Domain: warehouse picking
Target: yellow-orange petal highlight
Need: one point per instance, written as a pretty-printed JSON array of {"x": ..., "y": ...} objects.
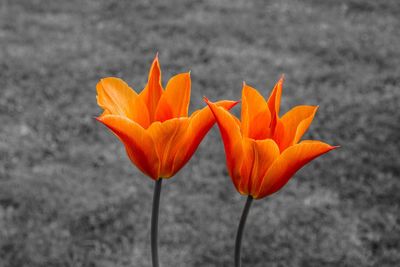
[
  {"x": 154, "y": 125},
  {"x": 263, "y": 150},
  {"x": 116, "y": 97}
]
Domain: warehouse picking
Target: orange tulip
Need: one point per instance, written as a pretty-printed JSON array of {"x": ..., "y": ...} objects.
[
  {"x": 263, "y": 150},
  {"x": 154, "y": 126}
]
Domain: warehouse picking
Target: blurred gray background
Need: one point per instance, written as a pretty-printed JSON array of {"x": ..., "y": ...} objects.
[{"x": 69, "y": 195}]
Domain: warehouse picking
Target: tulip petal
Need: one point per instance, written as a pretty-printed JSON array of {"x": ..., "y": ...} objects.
[
  {"x": 168, "y": 136},
  {"x": 258, "y": 157},
  {"x": 274, "y": 102},
  {"x": 232, "y": 138},
  {"x": 152, "y": 92},
  {"x": 174, "y": 102},
  {"x": 117, "y": 98},
  {"x": 255, "y": 115},
  {"x": 138, "y": 143},
  {"x": 295, "y": 123},
  {"x": 246, "y": 166},
  {"x": 201, "y": 122},
  {"x": 266, "y": 152},
  {"x": 288, "y": 163}
]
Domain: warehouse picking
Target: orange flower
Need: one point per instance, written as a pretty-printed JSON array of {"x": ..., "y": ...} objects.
[
  {"x": 263, "y": 150},
  {"x": 154, "y": 126}
]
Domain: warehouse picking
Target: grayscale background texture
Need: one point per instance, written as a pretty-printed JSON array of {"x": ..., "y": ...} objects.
[{"x": 69, "y": 196}]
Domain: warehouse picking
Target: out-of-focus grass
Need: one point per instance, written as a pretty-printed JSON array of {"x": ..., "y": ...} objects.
[{"x": 70, "y": 197}]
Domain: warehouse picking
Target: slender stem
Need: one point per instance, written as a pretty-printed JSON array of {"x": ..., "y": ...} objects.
[
  {"x": 242, "y": 223},
  {"x": 154, "y": 223}
]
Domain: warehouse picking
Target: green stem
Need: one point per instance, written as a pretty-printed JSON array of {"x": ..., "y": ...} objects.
[
  {"x": 154, "y": 223},
  {"x": 242, "y": 223}
]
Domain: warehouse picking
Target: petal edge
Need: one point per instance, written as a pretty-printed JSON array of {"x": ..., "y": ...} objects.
[{"x": 289, "y": 162}]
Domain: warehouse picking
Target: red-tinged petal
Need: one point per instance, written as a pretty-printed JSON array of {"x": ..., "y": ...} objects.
[
  {"x": 295, "y": 123},
  {"x": 232, "y": 138},
  {"x": 201, "y": 122},
  {"x": 288, "y": 163},
  {"x": 274, "y": 102},
  {"x": 246, "y": 167},
  {"x": 138, "y": 143},
  {"x": 279, "y": 133},
  {"x": 117, "y": 98},
  {"x": 255, "y": 115},
  {"x": 174, "y": 102},
  {"x": 152, "y": 92},
  {"x": 168, "y": 137}
]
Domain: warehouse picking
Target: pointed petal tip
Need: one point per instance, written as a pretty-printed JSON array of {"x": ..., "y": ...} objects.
[
  {"x": 280, "y": 82},
  {"x": 104, "y": 118},
  {"x": 100, "y": 119},
  {"x": 330, "y": 148},
  {"x": 156, "y": 60},
  {"x": 232, "y": 103}
]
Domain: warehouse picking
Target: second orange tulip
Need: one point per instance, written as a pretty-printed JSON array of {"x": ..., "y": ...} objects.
[{"x": 263, "y": 150}]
